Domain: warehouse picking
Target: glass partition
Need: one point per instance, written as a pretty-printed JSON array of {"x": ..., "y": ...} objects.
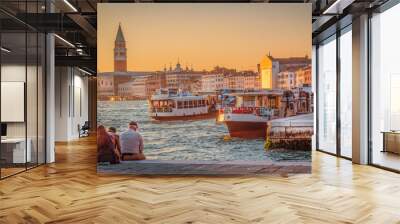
[
  {"x": 327, "y": 96},
  {"x": 346, "y": 92},
  {"x": 13, "y": 86},
  {"x": 22, "y": 77},
  {"x": 41, "y": 97},
  {"x": 385, "y": 89},
  {"x": 31, "y": 97}
]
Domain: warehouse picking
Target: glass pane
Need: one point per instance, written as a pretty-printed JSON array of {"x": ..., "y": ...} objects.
[
  {"x": 346, "y": 94},
  {"x": 327, "y": 96},
  {"x": 41, "y": 99},
  {"x": 31, "y": 97},
  {"x": 385, "y": 84},
  {"x": 13, "y": 77}
]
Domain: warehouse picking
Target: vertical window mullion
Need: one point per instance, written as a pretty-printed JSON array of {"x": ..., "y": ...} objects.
[
  {"x": 0, "y": 94},
  {"x": 37, "y": 94},
  {"x": 338, "y": 74},
  {"x": 26, "y": 87},
  {"x": 316, "y": 97}
]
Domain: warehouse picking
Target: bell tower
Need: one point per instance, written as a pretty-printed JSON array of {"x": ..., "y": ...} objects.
[{"x": 120, "y": 52}]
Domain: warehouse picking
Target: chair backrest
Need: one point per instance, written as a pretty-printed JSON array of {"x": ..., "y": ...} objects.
[{"x": 86, "y": 125}]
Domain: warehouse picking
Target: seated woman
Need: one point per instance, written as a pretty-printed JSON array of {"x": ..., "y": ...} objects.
[
  {"x": 113, "y": 132},
  {"x": 106, "y": 151}
]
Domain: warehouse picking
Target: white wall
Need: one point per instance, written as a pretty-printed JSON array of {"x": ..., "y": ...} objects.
[
  {"x": 10, "y": 73},
  {"x": 71, "y": 103},
  {"x": 33, "y": 126}
]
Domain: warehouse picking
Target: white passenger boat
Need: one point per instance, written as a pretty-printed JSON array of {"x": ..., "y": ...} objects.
[{"x": 168, "y": 105}]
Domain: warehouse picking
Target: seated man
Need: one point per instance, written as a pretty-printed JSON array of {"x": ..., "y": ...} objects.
[{"x": 132, "y": 143}]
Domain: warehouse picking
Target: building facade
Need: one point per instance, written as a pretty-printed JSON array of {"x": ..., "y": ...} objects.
[
  {"x": 105, "y": 85},
  {"x": 212, "y": 82},
  {"x": 269, "y": 68},
  {"x": 135, "y": 89},
  {"x": 286, "y": 80},
  {"x": 303, "y": 76},
  {"x": 154, "y": 82},
  {"x": 265, "y": 70}
]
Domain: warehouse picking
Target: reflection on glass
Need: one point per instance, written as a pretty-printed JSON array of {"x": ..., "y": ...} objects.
[
  {"x": 41, "y": 99},
  {"x": 31, "y": 97},
  {"x": 22, "y": 92},
  {"x": 385, "y": 84},
  {"x": 13, "y": 70},
  {"x": 327, "y": 96},
  {"x": 346, "y": 94}
]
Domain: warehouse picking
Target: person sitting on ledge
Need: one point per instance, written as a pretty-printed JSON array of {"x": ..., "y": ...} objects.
[
  {"x": 106, "y": 151},
  {"x": 132, "y": 143},
  {"x": 113, "y": 132}
]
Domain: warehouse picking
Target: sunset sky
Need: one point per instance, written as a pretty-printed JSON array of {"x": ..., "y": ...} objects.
[{"x": 203, "y": 35}]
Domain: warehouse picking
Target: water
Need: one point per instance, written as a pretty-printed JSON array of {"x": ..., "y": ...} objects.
[{"x": 188, "y": 140}]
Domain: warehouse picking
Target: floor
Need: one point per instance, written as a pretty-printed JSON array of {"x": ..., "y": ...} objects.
[
  {"x": 387, "y": 159},
  {"x": 10, "y": 171},
  {"x": 70, "y": 191}
]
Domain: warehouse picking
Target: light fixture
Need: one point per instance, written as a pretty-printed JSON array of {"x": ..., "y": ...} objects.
[
  {"x": 337, "y": 7},
  {"x": 64, "y": 40},
  {"x": 5, "y": 50},
  {"x": 70, "y": 5},
  {"x": 84, "y": 71}
]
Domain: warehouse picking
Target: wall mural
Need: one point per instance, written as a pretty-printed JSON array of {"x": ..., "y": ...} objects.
[{"x": 208, "y": 89}]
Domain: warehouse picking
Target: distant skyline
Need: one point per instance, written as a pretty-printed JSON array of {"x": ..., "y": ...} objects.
[{"x": 232, "y": 35}]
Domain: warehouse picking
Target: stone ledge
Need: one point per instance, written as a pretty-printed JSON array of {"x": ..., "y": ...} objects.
[{"x": 209, "y": 168}]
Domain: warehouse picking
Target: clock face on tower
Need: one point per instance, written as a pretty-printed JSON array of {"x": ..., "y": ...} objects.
[{"x": 120, "y": 51}]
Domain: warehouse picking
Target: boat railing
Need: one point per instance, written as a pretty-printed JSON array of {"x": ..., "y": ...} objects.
[
  {"x": 259, "y": 111},
  {"x": 161, "y": 109}
]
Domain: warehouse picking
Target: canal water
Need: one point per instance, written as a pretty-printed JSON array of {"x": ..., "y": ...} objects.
[{"x": 188, "y": 140}]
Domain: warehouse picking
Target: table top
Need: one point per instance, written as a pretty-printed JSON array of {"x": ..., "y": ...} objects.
[
  {"x": 13, "y": 140},
  {"x": 391, "y": 132}
]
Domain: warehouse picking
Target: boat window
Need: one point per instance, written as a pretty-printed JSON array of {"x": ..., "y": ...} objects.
[
  {"x": 272, "y": 102},
  {"x": 196, "y": 103},
  {"x": 180, "y": 104},
  {"x": 155, "y": 103},
  {"x": 186, "y": 103},
  {"x": 172, "y": 104}
]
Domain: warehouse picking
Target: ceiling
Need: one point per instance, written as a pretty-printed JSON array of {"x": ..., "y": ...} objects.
[{"x": 75, "y": 21}]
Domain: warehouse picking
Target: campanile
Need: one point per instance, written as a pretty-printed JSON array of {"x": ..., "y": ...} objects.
[{"x": 120, "y": 52}]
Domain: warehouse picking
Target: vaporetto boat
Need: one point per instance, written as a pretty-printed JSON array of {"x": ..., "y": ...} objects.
[
  {"x": 249, "y": 117},
  {"x": 167, "y": 105}
]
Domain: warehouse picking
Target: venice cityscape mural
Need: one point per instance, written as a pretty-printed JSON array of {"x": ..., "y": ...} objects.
[{"x": 204, "y": 88}]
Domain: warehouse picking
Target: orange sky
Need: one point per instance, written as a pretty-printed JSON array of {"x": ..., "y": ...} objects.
[{"x": 234, "y": 35}]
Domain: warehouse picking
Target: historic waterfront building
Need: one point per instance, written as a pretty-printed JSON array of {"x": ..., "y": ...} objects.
[
  {"x": 120, "y": 52},
  {"x": 303, "y": 76},
  {"x": 212, "y": 82},
  {"x": 286, "y": 79},
  {"x": 270, "y": 67},
  {"x": 135, "y": 89}
]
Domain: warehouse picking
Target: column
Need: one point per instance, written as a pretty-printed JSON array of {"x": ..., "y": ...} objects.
[{"x": 360, "y": 90}]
